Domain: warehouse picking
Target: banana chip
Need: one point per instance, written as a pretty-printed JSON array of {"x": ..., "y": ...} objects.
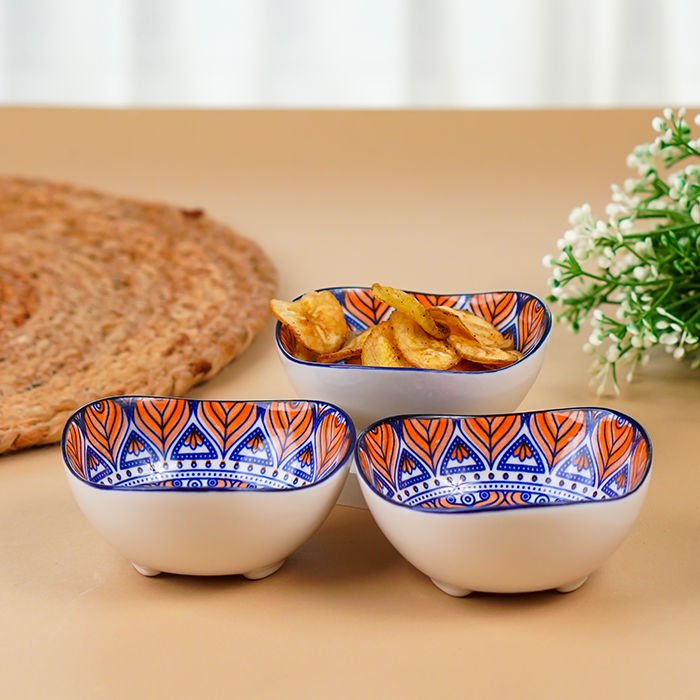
[
  {"x": 419, "y": 348},
  {"x": 352, "y": 348},
  {"x": 380, "y": 349},
  {"x": 439, "y": 337},
  {"x": 474, "y": 352},
  {"x": 316, "y": 319},
  {"x": 409, "y": 305},
  {"x": 469, "y": 325}
]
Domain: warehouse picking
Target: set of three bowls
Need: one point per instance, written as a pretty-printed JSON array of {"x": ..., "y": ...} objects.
[{"x": 476, "y": 496}]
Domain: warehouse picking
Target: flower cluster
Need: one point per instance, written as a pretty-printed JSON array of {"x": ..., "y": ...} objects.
[{"x": 634, "y": 277}]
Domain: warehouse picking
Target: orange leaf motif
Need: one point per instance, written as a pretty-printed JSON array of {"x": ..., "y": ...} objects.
[
  {"x": 639, "y": 463},
  {"x": 557, "y": 433},
  {"x": 226, "y": 421},
  {"x": 105, "y": 425},
  {"x": 379, "y": 452},
  {"x": 612, "y": 443},
  {"x": 428, "y": 438},
  {"x": 530, "y": 325},
  {"x": 498, "y": 308},
  {"x": 331, "y": 442},
  {"x": 491, "y": 436},
  {"x": 289, "y": 424},
  {"x": 161, "y": 420},
  {"x": 75, "y": 449}
]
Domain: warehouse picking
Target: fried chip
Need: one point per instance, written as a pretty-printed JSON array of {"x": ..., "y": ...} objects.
[
  {"x": 316, "y": 319},
  {"x": 474, "y": 352},
  {"x": 479, "y": 328},
  {"x": 409, "y": 305},
  {"x": 380, "y": 349},
  {"x": 420, "y": 348},
  {"x": 352, "y": 348}
]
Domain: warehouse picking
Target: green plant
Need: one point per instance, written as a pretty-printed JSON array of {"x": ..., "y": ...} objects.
[{"x": 636, "y": 276}]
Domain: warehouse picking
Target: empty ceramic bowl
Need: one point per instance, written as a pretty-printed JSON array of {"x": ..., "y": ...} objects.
[
  {"x": 371, "y": 393},
  {"x": 206, "y": 487},
  {"x": 507, "y": 503}
]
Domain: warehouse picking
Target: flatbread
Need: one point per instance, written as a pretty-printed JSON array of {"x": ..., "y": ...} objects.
[{"x": 102, "y": 295}]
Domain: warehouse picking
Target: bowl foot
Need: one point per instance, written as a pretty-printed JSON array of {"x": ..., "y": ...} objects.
[
  {"x": 456, "y": 591},
  {"x": 265, "y": 571},
  {"x": 145, "y": 570},
  {"x": 572, "y": 586}
]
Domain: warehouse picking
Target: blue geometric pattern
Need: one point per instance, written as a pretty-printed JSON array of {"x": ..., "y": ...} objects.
[
  {"x": 487, "y": 462},
  {"x": 149, "y": 442}
]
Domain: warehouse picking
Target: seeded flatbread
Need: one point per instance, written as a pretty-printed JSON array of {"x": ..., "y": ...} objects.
[{"x": 102, "y": 295}]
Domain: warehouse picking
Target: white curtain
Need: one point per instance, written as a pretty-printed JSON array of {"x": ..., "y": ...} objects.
[{"x": 350, "y": 53}]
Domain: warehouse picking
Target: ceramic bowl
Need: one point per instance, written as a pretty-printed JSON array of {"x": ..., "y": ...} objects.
[
  {"x": 206, "y": 487},
  {"x": 371, "y": 393},
  {"x": 508, "y": 503}
]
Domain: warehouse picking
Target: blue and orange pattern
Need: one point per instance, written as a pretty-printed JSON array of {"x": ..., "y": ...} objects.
[
  {"x": 519, "y": 316},
  {"x": 481, "y": 462},
  {"x": 167, "y": 443}
]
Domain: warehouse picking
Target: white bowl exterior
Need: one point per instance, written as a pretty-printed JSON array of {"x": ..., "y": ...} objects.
[
  {"x": 207, "y": 533},
  {"x": 510, "y": 550},
  {"x": 371, "y": 393}
]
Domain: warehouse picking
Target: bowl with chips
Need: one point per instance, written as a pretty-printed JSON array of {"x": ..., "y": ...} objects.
[
  {"x": 206, "y": 487},
  {"x": 380, "y": 351},
  {"x": 506, "y": 503}
]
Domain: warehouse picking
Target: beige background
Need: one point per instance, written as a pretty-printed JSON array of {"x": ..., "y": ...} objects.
[{"x": 432, "y": 201}]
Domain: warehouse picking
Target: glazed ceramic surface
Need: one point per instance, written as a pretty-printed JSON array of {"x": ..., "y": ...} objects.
[
  {"x": 506, "y": 503},
  {"x": 207, "y": 487},
  {"x": 371, "y": 393}
]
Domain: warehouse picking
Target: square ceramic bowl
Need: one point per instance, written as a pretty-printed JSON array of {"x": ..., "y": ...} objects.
[
  {"x": 371, "y": 393},
  {"x": 206, "y": 487},
  {"x": 506, "y": 503}
]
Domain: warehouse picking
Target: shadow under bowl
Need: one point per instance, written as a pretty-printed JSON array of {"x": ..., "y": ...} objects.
[
  {"x": 206, "y": 487},
  {"x": 506, "y": 503}
]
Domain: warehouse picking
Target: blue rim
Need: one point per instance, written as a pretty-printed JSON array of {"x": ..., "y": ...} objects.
[
  {"x": 337, "y": 365},
  {"x": 496, "y": 509},
  {"x": 349, "y": 450}
]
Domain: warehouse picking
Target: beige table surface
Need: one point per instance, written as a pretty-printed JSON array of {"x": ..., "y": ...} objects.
[{"x": 433, "y": 201}]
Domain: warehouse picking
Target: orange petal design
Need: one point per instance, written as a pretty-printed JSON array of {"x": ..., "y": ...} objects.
[
  {"x": 289, "y": 424},
  {"x": 75, "y": 449},
  {"x": 530, "y": 325},
  {"x": 379, "y": 452},
  {"x": 105, "y": 425},
  {"x": 161, "y": 420},
  {"x": 612, "y": 443},
  {"x": 226, "y": 421},
  {"x": 428, "y": 438},
  {"x": 498, "y": 308},
  {"x": 331, "y": 440},
  {"x": 558, "y": 434},
  {"x": 638, "y": 463},
  {"x": 361, "y": 305},
  {"x": 491, "y": 435}
]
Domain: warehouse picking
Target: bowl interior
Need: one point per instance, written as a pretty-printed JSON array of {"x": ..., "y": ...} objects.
[
  {"x": 518, "y": 315},
  {"x": 485, "y": 462},
  {"x": 169, "y": 443}
]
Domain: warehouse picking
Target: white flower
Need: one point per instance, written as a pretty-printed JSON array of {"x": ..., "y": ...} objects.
[
  {"x": 613, "y": 353},
  {"x": 668, "y": 114},
  {"x": 626, "y": 225},
  {"x": 669, "y": 338},
  {"x": 678, "y": 353},
  {"x": 658, "y": 124},
  {"x": 548, "y": 260},
  {"x": 595, "y": 338},
  {"x": 588, "y": 349}
]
